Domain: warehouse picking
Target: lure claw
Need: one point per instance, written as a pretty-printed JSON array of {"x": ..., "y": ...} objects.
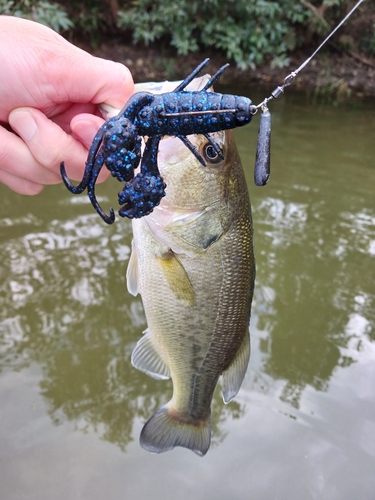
[
  {"x": 72, "y": 188},
  {"x": 141, "y": 195}
]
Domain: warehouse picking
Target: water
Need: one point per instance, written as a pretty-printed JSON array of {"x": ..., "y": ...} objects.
[{"x": 302, "y": 426}]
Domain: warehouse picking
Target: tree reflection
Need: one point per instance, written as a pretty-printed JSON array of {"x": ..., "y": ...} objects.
[
  {"x": 309, "y": 288},
  {"x": 65, "y": 305}
]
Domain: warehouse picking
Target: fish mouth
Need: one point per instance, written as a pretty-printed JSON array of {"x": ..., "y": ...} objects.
[{"x": 172, "y": 150}]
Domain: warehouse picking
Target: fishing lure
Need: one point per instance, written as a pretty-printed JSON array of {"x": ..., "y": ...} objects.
[
  {"x": 263, "y": 151},
  {"x": 117, "y": 144}
]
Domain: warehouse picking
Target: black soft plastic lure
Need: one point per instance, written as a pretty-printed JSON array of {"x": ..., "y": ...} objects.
[{"x": 117, "y": 144}]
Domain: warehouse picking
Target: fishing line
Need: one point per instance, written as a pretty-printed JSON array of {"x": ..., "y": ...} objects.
[{"x": 263, "y": 151}]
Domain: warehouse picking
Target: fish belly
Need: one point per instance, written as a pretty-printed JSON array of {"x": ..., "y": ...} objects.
[{"x": 197, "y": 309}]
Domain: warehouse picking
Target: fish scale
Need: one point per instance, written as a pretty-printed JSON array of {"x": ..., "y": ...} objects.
[{"x": 196, "y": 296}]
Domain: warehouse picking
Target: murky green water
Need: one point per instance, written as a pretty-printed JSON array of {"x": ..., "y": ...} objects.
[{"x": 302, "y": 426}]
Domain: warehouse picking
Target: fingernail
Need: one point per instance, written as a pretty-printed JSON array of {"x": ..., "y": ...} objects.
[{"x": 24, "y": 124}]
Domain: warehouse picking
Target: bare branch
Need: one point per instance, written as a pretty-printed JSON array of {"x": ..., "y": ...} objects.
[{"x": 319, "y": 12}]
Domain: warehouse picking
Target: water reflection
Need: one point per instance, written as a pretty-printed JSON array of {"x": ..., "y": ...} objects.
[
  {"x": 315, "y": 297},
  {"x": 65, "y": 305}
]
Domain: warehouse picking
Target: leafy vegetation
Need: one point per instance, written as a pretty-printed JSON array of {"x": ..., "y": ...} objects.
[
  {"x": 248, "y": 31},
  {"x": 42, "y": 11},
  {"x": 368, "y": 42}
]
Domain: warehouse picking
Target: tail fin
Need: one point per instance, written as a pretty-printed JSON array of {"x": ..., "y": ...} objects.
[{"x": 162, "y": 432}]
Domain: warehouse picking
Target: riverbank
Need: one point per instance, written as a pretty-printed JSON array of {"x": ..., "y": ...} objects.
[{"x": 331, "y": 72}]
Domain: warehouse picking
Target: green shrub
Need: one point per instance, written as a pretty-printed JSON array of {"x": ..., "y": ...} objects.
[
  {"x": 367, "y": 42},
  {"x": 44, "y": 12},
  {"x": 248, "y": 31},
  {"x": 245, "y": 30}
]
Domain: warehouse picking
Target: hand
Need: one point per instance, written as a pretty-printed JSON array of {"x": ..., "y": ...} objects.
[{"x": 49, "y": 91}]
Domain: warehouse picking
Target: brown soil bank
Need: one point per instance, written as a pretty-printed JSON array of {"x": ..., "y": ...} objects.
[
  {"x": 329, "y": 72},
  {"x": 339, "y": 68}
]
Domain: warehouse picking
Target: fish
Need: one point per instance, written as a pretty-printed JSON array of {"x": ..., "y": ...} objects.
[{"x": 192, "y": 262}]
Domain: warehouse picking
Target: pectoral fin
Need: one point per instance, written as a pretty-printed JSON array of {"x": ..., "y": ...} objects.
[
  {"x": 147, "y": 359},
  {"x": 132, "y": 271},
  {"x": 176, "y": 277},
  {"x": 233, "y": 376}
]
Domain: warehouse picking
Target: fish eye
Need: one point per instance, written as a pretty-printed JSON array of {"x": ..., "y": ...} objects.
[{"x": 210, "y": 154}]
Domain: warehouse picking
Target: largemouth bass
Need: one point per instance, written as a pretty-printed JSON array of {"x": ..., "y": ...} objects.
[{"x": 192, "y": 261}]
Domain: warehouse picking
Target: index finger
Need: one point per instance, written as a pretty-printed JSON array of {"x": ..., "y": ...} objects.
[
  {"x": 49, "y": 145},
  {"x": 100, "y": 80}
]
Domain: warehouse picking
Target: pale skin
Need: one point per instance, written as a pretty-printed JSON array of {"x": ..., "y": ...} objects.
[{"x": 49, "y": 92}]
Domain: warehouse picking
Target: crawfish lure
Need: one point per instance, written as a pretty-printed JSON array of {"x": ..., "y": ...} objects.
[{"x": 117, "y": 144}]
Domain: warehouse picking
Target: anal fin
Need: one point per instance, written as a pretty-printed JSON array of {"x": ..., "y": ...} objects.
[{"x": 232, "y": 377}]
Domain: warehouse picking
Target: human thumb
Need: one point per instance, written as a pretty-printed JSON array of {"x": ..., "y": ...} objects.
[{"x": 84, "y": 127}]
